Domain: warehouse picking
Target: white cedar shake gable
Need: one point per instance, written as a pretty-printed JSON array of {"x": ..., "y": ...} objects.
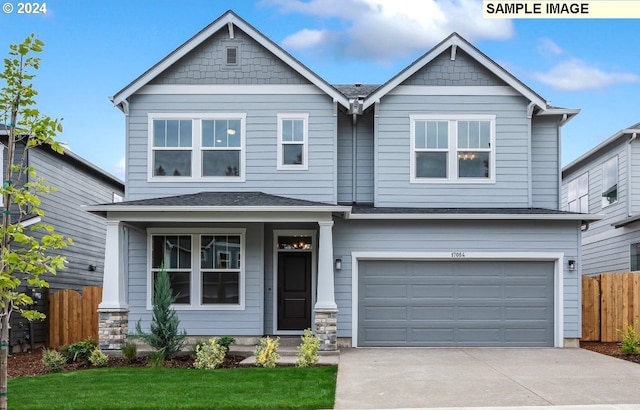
[
  {"x": 226, "y": 22},
  {"x": 453, "y": 43}
]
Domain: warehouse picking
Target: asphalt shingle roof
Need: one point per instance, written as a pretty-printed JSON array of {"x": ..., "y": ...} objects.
[{"x": 355, "y": 91}]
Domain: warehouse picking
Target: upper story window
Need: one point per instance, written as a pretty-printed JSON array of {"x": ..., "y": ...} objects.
[
  {"x": 207, "y": 147},
  {"x": 205, "y": 269},
  {"x": 231, "y": 55},
  {"x": 446, "y": 148},
  {"x": 578, "y": 194},
  {"x": 610, "y": 182},
  {"x": 293, "y": 139},
  {"x": 634, "y": 252}
]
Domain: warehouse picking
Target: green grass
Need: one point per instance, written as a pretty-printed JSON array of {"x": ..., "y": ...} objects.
[{"x": 158, "y": 388}]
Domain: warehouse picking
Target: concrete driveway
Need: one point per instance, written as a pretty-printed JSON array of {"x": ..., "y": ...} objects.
[{"x": 384, "y": 378}]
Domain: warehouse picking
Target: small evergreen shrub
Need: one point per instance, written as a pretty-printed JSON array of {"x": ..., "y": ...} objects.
[
  {"x": 130, "y": 351},
  {"x": 156, "y": 358},
  {"x": 53, "y": 360},
  {"x": 163, "y": 336},
  {"x": 630, "y": 340},
  {"x": 266, "y": 352},
  {"x": 79, "y": 351},
  {"x": 209, "y": 355},
  {"x": 225, "y": 342},
  {"x": 196, "y": 344},
  {"x": 308, "y": 350},
  {"x": 98, "y": 359}
]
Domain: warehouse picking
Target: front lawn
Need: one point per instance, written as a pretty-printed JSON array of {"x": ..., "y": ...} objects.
[{"x": 158, "y": 388}]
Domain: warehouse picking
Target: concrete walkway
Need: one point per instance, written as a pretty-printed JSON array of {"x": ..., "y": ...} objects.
[{"x": 485, "y": 377}]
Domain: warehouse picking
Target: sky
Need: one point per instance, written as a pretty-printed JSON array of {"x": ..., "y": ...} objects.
[{"x": 95, "y": 48}]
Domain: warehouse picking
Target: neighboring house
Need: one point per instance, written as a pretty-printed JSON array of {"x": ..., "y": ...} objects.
[
  {"x": 606, "y": 180},
  {"x": 77, "y": 183},
  {"x": 422, "y": 212}
]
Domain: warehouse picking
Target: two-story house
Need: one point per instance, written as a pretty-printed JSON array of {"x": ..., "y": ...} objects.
[
  {"x": 422, "y": 212},
  {"x": 77, "y": 182},
  {"x": 606, "y": 181}
]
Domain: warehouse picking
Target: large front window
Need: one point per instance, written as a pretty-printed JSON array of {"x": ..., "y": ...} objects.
[
  {"x": 452, "y": 148},
  {"x": 610, "y": 182},
  {"x": 206, "y": 147},
  {"x": 205, "y": 269},
  {"x": 578, "y": 194}
]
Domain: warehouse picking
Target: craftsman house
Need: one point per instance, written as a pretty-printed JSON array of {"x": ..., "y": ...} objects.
[{"x": 421, "y": 212}]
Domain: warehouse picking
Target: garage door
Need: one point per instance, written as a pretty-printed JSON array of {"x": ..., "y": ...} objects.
[{"x": 470, "y": 303}]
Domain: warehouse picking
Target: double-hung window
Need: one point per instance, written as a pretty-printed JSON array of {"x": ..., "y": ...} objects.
[
  {"x": 205, "y": 268},
  {"x": 578, "y": 194},
  {"x": 634, "y": 253},
  {"x": 610, "y": 182},
  {"x": 293, "y": 143},
  {"x": 452, "y": 148},
  {"x": 204, "y": 146}
]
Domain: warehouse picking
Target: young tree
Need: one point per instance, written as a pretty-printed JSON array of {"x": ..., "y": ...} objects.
[
  {"x": 26, "y": 253},
  {"x": 164, "y": 335}
]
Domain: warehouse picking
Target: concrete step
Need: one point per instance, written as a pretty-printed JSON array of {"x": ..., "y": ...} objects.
[
  {"x": 325, "y": 360},
  {"x": 283, "y": 351}
]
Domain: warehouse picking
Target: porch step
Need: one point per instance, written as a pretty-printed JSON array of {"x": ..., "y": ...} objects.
[
  {"x": 288, "y": 350},
  {"x": 325, "y": 359}
]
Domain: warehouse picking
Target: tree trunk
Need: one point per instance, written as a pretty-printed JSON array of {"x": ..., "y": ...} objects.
[{"x": 4, "y": 358}]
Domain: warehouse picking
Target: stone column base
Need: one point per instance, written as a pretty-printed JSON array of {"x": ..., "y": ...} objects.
[
  {"x": 113, "y": 327},
  {"x": 326, "y": 328}
]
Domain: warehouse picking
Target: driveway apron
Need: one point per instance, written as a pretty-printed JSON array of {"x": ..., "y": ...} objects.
[{"x": 386, "y": 378}]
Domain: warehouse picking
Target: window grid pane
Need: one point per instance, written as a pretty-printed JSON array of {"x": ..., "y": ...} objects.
[
  {"x": 634, "y": 251},
  {"x": 220, "y": 263}
]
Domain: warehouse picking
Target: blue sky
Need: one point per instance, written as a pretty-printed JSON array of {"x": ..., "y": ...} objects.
[{"x": 95, "y": 48}]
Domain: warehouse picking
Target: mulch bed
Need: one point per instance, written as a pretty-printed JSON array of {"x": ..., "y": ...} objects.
[
  {"x": 30, "y": 363},
  {"x": 610, "y": 349}
]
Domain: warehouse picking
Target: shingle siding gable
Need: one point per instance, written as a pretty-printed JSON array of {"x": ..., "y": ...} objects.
[
  {"x": 463, "y": 71},
  {"x": 206, "y": 64}
]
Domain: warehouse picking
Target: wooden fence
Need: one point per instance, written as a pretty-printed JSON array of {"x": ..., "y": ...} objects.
[
  {"x": 610, "y": 302},
  {"x": 73, "y": 317}
]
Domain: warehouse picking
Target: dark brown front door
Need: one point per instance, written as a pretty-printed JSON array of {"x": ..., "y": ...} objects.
[{"x": 294, "y": 290}]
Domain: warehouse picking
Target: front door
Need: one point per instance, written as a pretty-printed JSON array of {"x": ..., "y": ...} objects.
[{"x": 294, "y": 290}]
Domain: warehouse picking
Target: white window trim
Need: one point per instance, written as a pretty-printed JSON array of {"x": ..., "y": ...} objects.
[
  {"x": 196, "y": 278},
  {"x": 617, "y": 181},
  {"x": 578, "y": 197},
  {"x": 630, "y": 245},
  {"x": 452, "y": 160},
  {"x": 305, "y": 142},
  {"x": 196, "y": 146}
]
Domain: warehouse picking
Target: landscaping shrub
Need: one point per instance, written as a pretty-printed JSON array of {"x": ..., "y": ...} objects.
[
  {"x": 130, "y": 351},
  {"x": 98, "y": 359},
  {"x": 53, "y": 360},
  {"x": 79, "y": 351},
  {"x": 156, "y": 358},
  {"x": 630, "y": 340},
  {"x": 266, "y": 352},
  {"x": 209, "y": 355},
  {"x": 225, "y": 342},
  {"x": 164, "y": 336},
  {"x": 308, "y": 350}
]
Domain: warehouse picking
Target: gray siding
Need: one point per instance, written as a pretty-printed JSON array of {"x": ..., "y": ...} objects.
[
  {"x": 316, "y": 184},
  {"x": 545, "y": 162},
  {"x": 206, "y": 64},
  {"x": 635, "y": 177},
  {"x": 364, "y": 158},
  {"x": 463, "y": 71},
  {"x": 429, "y": 236},
  {"x": 204, "y": 322},
  {"x": 611, "y": 254},
  {"x": 393, "y": 147}
]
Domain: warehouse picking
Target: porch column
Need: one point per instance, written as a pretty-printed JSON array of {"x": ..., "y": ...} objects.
[
  {"x": 113, "y": 310},
  {"x": 326, "y": 310}
]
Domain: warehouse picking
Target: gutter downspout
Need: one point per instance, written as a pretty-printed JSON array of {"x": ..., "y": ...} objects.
[
  {"x": 629, "y": 184},
  {"x": 565, "y": 118},
  {"x": 354, "y": 157},
  {"x": 530, "y": 109}
]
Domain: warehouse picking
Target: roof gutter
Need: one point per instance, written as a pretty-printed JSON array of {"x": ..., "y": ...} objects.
[
  {"x": 583, "y": 218},
  {"x": 629, "y": 184}
]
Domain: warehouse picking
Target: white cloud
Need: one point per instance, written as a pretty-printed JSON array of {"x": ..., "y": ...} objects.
[
  {"x": 119, "y": 168},
  {"x": 306, "y": 39},
  {"x": 382, "y": 30},
  {"x": 548, "y": 47},
  {"x": 577, "y": 75}
]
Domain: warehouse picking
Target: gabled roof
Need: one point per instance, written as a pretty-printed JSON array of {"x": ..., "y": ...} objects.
[
  {"x": 228, "y": 18},
  {"x": 604, "y": 145},
  {"x": 456, "y": 41}
]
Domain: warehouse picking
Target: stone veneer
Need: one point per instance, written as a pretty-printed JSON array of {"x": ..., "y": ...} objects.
[
  {"x": 112, "y": 328},
  {"x": 326, "y": 328}
]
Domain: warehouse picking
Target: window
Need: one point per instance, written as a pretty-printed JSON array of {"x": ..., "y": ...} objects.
[
  {"x": 292, "y": 141},
  {"x": 196, "y": 147},
  {"x": 610, "y": 182},
  {"x": 232, "y": 55},
  {"x": 212, "y": 278},
  {"x": 634, "y": 251},
  {"x": 452, "y": 148},
  {"x": 116, "y": 198},
  {"x": 578, "y": 194}
]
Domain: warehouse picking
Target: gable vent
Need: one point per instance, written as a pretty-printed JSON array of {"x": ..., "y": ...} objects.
[{"x": 232, "y": 55}]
